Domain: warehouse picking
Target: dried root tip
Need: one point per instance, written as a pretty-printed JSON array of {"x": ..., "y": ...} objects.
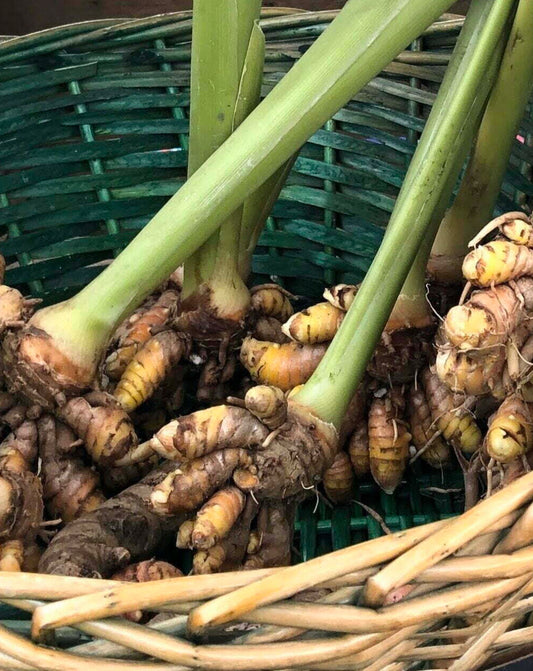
[
  {"x": 209, "y": 561},
  {"x": 139, "y": 328},
  {"x": 204, "y": 431},
  {"x": 341, "y": 296},
  {"x": 185, "y": 489},
  {"x": 510, "y": 431},
  {"x": 284, "y": 366},
  {"x": 70, "y": 488},
  {"x": 254, "y": 543},
  {"x": 21, "y": 505},
  {"x": 275, "y": 528},
  {"x": 317, "y": 324},
  {"x": 271, "y": 300},
  {"x": 11, "y": 556},
  {"x": 358, "y": 450},
  {"x": 103, "y": 426},
  {"x": 148, "y": 368},
  {"x": 216, "y": 517},
  {"x": 451, "y": 415},
  {"x": 268, "y": 404},
  {"x": 338, "y": 479},
  {"x": 435, "y": 451},
  {"x": 270, "y": 329},
  {"x": 388, "y": 439},
  {"x": 400, "y": 353},
  {"x": 497, "y": 262},
  {"x": 145, "y": 571},
  {"x": 184, "y": 537}
]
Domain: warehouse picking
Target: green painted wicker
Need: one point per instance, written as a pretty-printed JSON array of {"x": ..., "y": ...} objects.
[{"x": 93, "y": 140}]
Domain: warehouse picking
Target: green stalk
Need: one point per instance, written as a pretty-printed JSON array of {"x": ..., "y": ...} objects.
[
  {"x": 479, "y": 190},
  {"x": 227, "y": 60},
  {"x": 365, "y": 36},
  {"x": 332, "y": 385}
]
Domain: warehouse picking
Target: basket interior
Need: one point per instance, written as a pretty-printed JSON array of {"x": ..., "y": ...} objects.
[{"x": 93, "y": 141}]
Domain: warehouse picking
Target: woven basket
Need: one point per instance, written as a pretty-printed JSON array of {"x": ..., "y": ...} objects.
[{"x": 93, "y": 140}]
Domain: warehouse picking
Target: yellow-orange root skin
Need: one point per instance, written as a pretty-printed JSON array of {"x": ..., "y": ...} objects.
[
  {"x": 284, "y": 366},
  {"x": 216, "y": 517},
  {"x": 139, "y": 328},
  {"x": 423, "y": 429},
  {"x": 450, "y": 414},
  {"x": 268, "y": 404},
  {"x": 317, "y": 324},
  {"x": 469, "y": 375},
  {"x": 388, "y": 439},
  {"x": 338, "y": 479},
  {"x": 11, "y": 556},
  {"x": 271, "y": 300},
  {"x": 148, "y": 368},
  {"x": 510, "y": 433},
  {"x": 358, "y": 449},
  {"x": 497, "y": 262}
]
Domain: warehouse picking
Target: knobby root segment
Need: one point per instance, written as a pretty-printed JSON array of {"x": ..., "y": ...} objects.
[
  {"x": 70, "y": 487},
  {"x": 123, "y": 529},
  {"x": 359, "y": 450},
  {"x": 215, "y": 518},
  {"x": 497, "y": 262},
  {"x": 275, "y": 524},
  {"x": 148, "y": 368},
  {"x": 510, "y": 433},
  {"x": 338, "y": 479},
  {"x": 135, "y": 331},
  {"x": 102, "y": 424},
  {"x": 285, "y": 366},
  {"x": 316, "y": 324},
  {"x": 388, "y": 439},
  {"x": 434, "y": 450}
]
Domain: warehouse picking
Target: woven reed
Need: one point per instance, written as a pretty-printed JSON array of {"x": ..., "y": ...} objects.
[{"x": 85, "y": 111}]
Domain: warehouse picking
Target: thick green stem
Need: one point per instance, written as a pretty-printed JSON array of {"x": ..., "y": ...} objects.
[
  {"x": 332, "y": 385},
  {"x": 364, "y": 37},
  {"x": 481, "y": 184},
  {"x": 226, "y": 73}
]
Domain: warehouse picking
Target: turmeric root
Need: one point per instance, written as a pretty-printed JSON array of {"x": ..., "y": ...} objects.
[
  {"x": 230, "y": 442},
  {"x": 70, "y": 488},
  {"x": 147, "y": 369},
  {"x": 469, "y": 375},
  {"x": 124, "y": 529},
  {"x": 11, "y": 556},
  {"x": 227, "y": 554},
  {"x": 510, "y": 432},
  {"x": 115, "y": 479},
  {"x": 21, "y": 512},
  {"x": 216, "y": 517},
  {"x": 145, "y": 571},
  {"x": 497, "y": 262},
  {"x": 338, "y": 479},
  {"x": 388, "y": 439},
  {"x": 139, "y": 328},
  {"x": 102, "y": 424},
  {"x": 515, "y": 226},
  {"x": 451, "y": 414},
  {"x": 284, "y": 366},
  {"x": 341, "y": 296},
  {"x": 275, "y": 523},
  {"x": 269, "y": 329},
  {"x": 358, "y": 450},
  {"x": 317, "y": 324},
  {"x": 355, "y": 413},
  {"x": 14, "y": 308},
  {"x": 423, "y": 430},
  {"x": 271, "y": 300},
  {"x": 268, "y": 404}
]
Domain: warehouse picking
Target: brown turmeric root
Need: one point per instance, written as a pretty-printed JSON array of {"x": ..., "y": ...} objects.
[
  {"x": 359, "y": 450},
  {"x": 355, "y": 413},
  {"x": 124, "y": 529},
  {"x": 388, "y": 439},
  {"x": 145, "y": 571},
  {"x": 21, "y": 512},
  {"x": 284, "y": 366},
  {"x": 139, "y": 328},
  {"x": 116, "y": 478},
  {"x": 229, "y": 442},
  {"x": 102, "y": 424},
  {"x": 70, "y": 488},
  {"x": 269, "y": 329},
  {"x": 338, "y": 479},
  {"x": 451, "y": 415},
  {"x": 150, "y": 365},
  {"x": 510, "y": 433},
  {"x": 227, "y": 554},
  {"x": 423, "y": 430},
  {"x": 275, "y": 524}
]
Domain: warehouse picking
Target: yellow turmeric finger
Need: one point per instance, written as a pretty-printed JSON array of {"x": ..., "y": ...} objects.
[
  {"x": 317, "y": 324},
  {"x": 510, "y": 431},
  {"x": 216, "y": 517},
  {"x": 497, "y": 262},
  {"x": 271, "y": 300}
]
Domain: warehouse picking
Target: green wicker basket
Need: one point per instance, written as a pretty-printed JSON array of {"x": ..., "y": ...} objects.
[{"x": 93, "y": 140}]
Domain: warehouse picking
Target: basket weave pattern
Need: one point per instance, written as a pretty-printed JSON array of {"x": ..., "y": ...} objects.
[{"x": 93, "y": 140}]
